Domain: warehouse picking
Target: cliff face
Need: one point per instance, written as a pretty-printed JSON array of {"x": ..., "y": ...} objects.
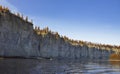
[
  {"x": 19, "y": 39},
  {"x": 52, "y": 47}
]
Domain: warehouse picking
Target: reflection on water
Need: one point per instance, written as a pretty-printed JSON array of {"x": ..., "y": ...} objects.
[
  {"x": 34, "y": 66},
  {"x": 115, "y": 64}
]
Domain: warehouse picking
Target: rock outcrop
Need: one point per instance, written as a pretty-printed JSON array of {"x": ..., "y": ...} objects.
[
  {"x": 18, "y": 38},
  {"x": 52, "y": 47}
]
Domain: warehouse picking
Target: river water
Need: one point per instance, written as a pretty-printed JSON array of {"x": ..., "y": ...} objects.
[{"x": 43, "y": 66}]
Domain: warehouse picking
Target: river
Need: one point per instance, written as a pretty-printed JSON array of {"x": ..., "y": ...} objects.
[{"x": 43, "y": 66}]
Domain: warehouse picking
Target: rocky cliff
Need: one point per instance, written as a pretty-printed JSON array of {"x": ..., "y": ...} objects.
[
  {"x": 18, "y": 38},
  {"x": 52, "y": 47}
]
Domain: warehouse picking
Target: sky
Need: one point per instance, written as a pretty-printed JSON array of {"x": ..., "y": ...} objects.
[{"x": 96, "y": 21}]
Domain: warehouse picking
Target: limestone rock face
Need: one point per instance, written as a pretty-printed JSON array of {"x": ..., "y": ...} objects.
[
  {"x": 17, "y": 37},
  {"x": 50, "y": 47}
]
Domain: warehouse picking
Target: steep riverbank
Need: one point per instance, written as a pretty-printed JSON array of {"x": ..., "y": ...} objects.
[{"x": 18, "y": 38}]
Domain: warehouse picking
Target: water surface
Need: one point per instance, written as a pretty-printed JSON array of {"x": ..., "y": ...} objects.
[{"x": 35, "y": 66}]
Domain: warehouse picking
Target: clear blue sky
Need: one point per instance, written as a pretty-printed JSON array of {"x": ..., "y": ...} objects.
[{"x": 89, "y": 20}]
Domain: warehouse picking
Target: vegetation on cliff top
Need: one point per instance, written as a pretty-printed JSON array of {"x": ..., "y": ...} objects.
[{"x": 6, "y": 10}]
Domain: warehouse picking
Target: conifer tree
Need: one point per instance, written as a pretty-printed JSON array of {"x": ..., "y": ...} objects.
[
  {"x": 0, "y": 8},
  {"x": 26, "y": 19}
]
